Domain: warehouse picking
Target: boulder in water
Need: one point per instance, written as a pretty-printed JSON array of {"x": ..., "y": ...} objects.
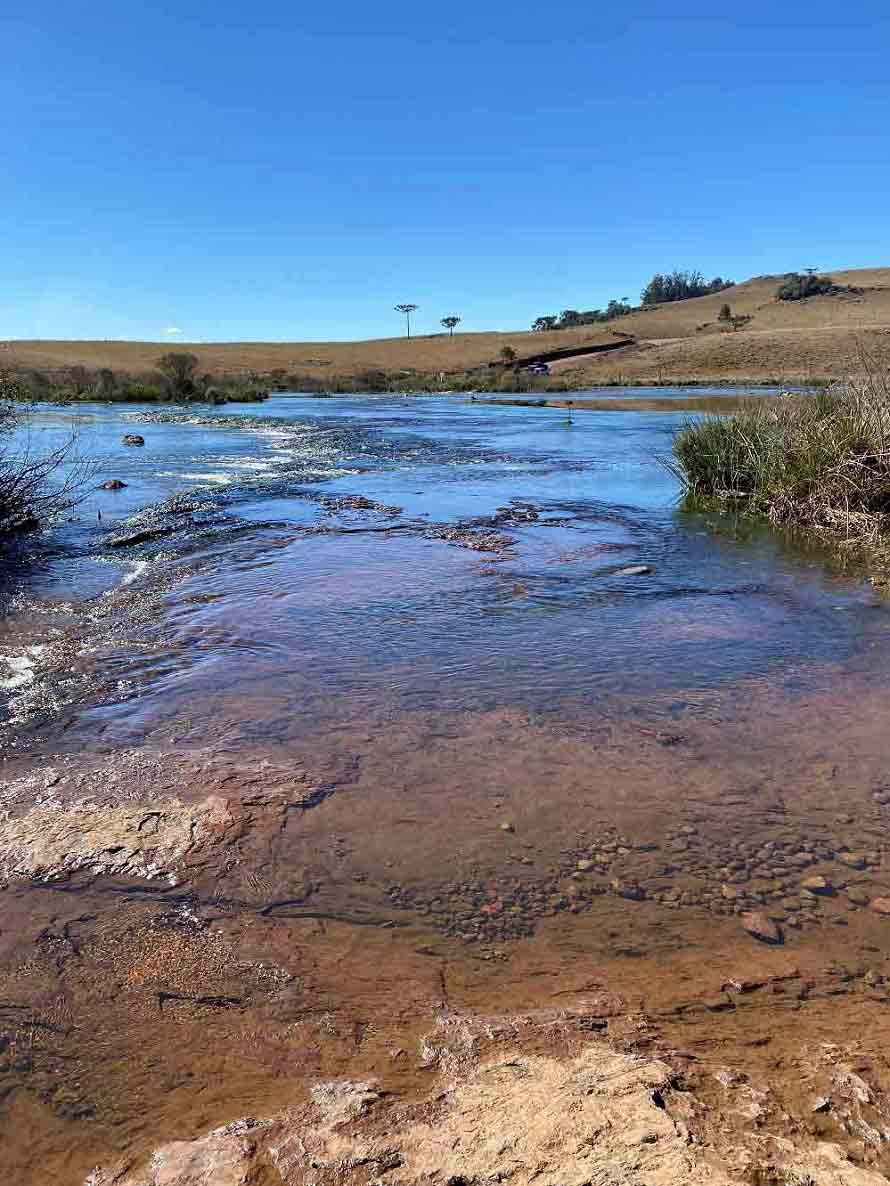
[
  {"x": 760, "y": 927},
  {"x": 132, "y": 438}
]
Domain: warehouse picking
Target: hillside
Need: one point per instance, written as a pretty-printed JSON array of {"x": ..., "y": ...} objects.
[{"x": 683, "y": 341}]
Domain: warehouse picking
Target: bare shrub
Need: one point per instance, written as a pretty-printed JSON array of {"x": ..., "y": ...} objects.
[{"x": 36, "y": 485}]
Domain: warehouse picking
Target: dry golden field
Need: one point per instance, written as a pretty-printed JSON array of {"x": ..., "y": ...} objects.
[{"x": 683, "y": 341}]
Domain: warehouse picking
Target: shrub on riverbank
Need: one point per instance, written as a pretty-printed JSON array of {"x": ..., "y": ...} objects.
[
  {"x": 78, "y": 385},
  {"x": 819, "y": 461},
  {"x": 35, "y": 485}
]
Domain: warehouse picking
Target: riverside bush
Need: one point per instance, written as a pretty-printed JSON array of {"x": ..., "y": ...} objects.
[{"x": 820, "y": 461}]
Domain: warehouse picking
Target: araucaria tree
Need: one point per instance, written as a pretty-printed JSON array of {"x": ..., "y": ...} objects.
[
  {"x": 450, "y": 323},
  {"x": 407, "y": 310}
]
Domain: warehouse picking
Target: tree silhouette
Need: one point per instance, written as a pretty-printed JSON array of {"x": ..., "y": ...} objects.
[
  {"x": 407, "y": 310},
  {"x": 450, "y": 323},
  {"x": 179, "y": 368},
  {"x": 508, "y": 354}
]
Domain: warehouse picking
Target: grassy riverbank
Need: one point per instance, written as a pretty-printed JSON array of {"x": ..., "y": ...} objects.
[{"x": 820, "y": 462}]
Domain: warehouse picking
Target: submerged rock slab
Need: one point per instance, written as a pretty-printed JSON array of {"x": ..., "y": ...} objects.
[{"x": 54, "y": 839}]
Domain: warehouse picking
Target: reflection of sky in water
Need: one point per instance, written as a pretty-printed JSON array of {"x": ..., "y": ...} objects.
[{"x": 333, "y": 623}]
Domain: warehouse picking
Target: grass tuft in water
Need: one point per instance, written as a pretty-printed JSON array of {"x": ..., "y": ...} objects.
[{"x": 817, "y": 461}]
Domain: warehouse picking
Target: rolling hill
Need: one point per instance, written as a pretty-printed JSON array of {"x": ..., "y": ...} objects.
[{"x": 821, "y": 337}]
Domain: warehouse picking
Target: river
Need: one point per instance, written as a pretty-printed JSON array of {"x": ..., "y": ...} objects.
[{"x": 399, "y": 675}]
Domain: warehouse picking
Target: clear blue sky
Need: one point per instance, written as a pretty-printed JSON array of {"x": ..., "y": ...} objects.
[{"x": 283, "y": 170}]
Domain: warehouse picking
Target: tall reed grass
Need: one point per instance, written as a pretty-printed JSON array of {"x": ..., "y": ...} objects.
[{"x": 819, "y": 461}]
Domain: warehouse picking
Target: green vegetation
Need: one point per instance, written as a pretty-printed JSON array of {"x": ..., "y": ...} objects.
[
  {"x": 680, "y": 286},
  {"x": 797, "y": 287},
  {"x": 661, "y": 289},
  {"x": 818, "y": 461},
  {"x": 570, "y": 318},
  {"x": 175, "y": 381}
]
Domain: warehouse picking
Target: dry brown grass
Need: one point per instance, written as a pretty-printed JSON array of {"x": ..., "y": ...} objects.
[{"x": 678, "y": 342}]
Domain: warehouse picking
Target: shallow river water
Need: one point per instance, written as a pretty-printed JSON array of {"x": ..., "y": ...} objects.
[{"x": 422, "y": 675}]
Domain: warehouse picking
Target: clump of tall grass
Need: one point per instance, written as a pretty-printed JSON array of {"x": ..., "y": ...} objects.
[{"x": 820, "y": 461}]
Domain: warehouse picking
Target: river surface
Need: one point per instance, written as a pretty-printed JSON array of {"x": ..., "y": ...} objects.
[
  {"x": 286, "y": 591},
  {"x": 462, "y": 677}
]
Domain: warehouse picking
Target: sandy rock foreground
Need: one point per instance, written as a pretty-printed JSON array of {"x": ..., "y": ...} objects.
[{"x": 604, "y": 1117}]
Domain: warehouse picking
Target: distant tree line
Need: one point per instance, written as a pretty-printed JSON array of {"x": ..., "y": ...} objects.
[
  {"x": 797, "y": 287},
  {"x": 680, "y": 286},
  {"x": 177, "y": 379},
  {"x": 572, "y": 317},
  {"x": 662, "y": 288}
]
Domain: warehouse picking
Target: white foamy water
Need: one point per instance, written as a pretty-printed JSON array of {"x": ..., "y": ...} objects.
[
  {"x": 216, "y": 479},
  {"x": 20, "y": 666},
  {"x": 137, "y": 569}
]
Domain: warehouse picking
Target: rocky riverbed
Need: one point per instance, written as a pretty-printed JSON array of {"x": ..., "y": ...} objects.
[{"x": 403, "y": 793}]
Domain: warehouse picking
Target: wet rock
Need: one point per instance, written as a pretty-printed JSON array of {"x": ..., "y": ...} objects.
[
  {"x": 114, "y": 484},
  {"x": 669, "y": 739},
  {"x": 132, "y": 438},
  {"x": 142, "y": 536},
  {"x": 476, "y": 541},
  {"x": 853, "y": 860},
  {"x": 760, "y": 927},
  {"x": 634, "y": 570}
]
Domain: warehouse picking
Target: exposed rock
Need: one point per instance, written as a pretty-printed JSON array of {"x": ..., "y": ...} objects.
[
  {"x": 143, "y": 535},
  {"x": 817, "y": 884},
  {"x": 598, "y": 1117},
  {"x": 603, "y": 1116},
  {"x": 114, "y": 484},
  {"x": 760, "y": 927},
  {"x": 857, "y": 896},
  {"x": 132, "y": 438},
  {"x": 53, "y": 840},
  {"x": 853, "y": 860},
  {"x": 472, "y": 538},
  {"x": 881, "y": 905},
  {"x": 634, "y": 570}
]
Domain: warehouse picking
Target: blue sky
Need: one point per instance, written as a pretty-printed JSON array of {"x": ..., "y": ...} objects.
[{"x": 284, "y": 171}]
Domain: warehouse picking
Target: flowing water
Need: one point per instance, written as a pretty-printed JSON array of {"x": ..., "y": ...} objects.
[{"x": 450, "y": 677}]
